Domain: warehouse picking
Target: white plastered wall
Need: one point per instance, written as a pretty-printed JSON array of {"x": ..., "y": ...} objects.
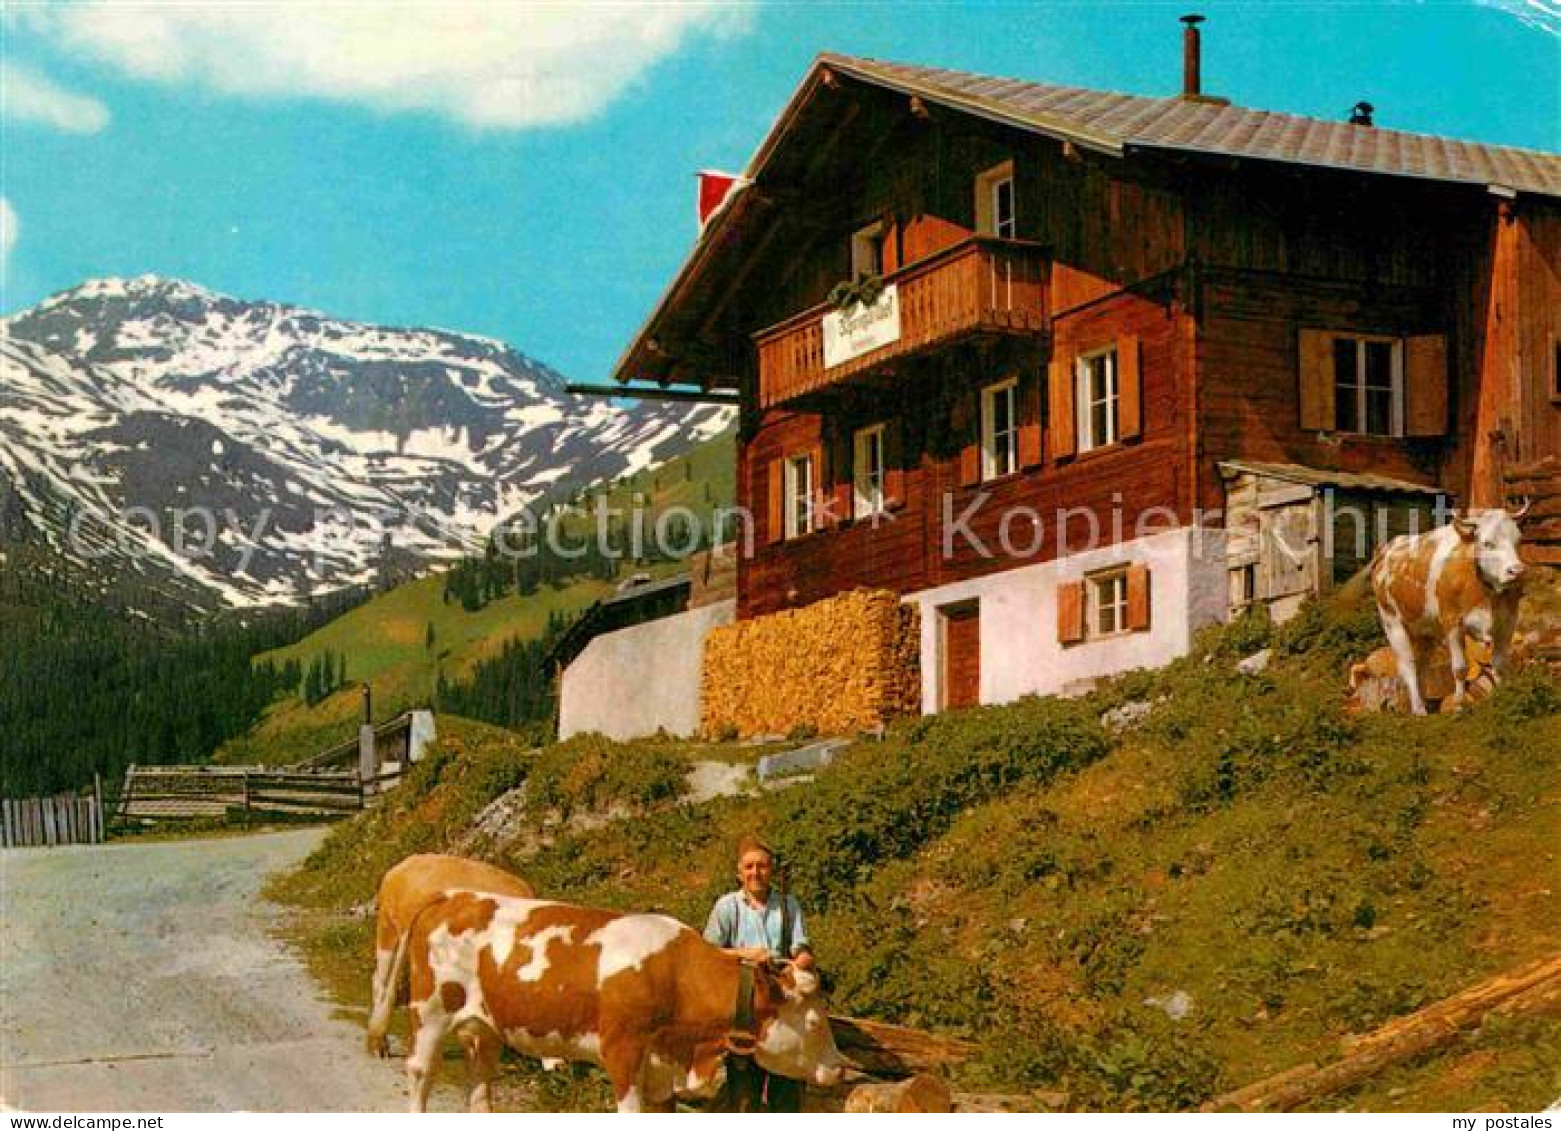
[
  {"x": 1020, "y": 653},
  {"x": 638, "y": 680}
]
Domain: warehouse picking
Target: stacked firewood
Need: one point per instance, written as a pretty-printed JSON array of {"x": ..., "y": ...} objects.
[{"x": 846, "y": 664}]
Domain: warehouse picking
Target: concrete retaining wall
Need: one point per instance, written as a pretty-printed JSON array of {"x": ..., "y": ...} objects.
[{"x": 638, "y": 680}]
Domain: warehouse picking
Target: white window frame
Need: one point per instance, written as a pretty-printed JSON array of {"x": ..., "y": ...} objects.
[
  {"x": 867, "y": 251},
  {"x": 989, "y": 188},
  {"x": 1082, "y": 397},
  {"x": 869, "y": 466},
  {"x": 1396, "y": 412},
  {"x": 1105, "y": 592},
  {"x": 799, "y": 495},
  {"x": 999, "y": 450}
]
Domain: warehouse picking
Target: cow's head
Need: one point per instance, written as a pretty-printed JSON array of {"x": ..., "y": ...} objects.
[
  {"x": 1493, "y": 536},
  {"x": 797, "y": 1042}
]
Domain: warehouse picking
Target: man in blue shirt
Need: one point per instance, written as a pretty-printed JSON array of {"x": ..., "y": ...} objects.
[
  {"x": 755, "y": 923},
  {"x": 750, "y": 922}
]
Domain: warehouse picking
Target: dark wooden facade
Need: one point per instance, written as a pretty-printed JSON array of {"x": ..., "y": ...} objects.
[{"x": 1206, "y": 274}]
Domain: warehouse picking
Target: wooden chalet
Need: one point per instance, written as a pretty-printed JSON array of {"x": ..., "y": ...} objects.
[{"x": 1164, "y": 312}]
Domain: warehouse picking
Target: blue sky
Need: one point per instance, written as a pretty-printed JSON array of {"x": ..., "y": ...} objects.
[{"x": 525, "y": 172}]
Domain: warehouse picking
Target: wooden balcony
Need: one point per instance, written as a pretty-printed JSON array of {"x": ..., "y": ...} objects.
[{"x": 978, "y": 286}]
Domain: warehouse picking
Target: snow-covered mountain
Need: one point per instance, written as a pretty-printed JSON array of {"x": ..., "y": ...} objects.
[{"x": 242, "y": 453}]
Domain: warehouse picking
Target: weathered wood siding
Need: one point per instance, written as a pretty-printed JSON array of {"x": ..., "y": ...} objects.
[
  {"x": 1516, "y": 316},
  {"x": 1143, "y": 481},
  {"x": 1249, "y": 391},
  {"x": 1215, "y": 266}
]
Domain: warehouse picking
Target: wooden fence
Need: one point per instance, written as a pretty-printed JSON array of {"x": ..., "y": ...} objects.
[
  {"x": 66, "y": 818},
  {"x": 216, "y": 791},
  {"x": 397, "y": 743},
  {"x": 392, "y": 743}
]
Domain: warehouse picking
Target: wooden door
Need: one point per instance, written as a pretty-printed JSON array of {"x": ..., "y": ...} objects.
[{"x": 962, "y": 656}]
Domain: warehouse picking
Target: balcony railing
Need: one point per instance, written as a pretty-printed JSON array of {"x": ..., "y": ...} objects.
[{"x": 980, "y": 285}]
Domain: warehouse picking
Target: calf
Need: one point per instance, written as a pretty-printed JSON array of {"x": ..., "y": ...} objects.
[
  {"x": 643, "y": 996},
  {"x": 405, "y": 890},
  {"x": 1465, "y": 577}
]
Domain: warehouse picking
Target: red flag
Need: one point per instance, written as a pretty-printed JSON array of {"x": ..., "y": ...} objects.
[{"x": 715, "y": 190}]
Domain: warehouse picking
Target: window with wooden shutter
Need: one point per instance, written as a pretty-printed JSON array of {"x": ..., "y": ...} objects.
[
  {"x": 1425, "y": 385},
  {"x": 1317, "y": 381},
  {"x": 1000, "y": 429},
  {"x": 818, "y": 490},
  {"x": 802, "y": 496},
  {"x": 1354, "y": 384},
  {"x": 967, "y": 426},
  {"x": 1070, "y": 612},
  {"x": 1030, "y": 419},
  {"x": 970, "y": 465},
  {"x": 1105, "y": 597},
  {"x": 867, "y": 471},
  {"x": 1137, "y": 598},
  {"x": 894, "y": 464},
  {"x": 1130, "y": 406},
  {"x": 1060, "y": 415},
  {"x": 995, "y": 210},
  {"x": 1098, "y": 394},
  {"x": 841, "y": 502},
  {"x": 775, "y": 515}
]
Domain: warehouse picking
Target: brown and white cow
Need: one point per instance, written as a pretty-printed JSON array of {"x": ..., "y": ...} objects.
[
  {"x": 644, "y": 996},
  {"x": 404, "y": 891},
  {"x": 1465, "y": 577}
]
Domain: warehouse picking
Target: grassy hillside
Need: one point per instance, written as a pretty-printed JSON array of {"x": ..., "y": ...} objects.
[
  {"x": 1247, "y": 856},
  {"x": 386, "y": 641}
]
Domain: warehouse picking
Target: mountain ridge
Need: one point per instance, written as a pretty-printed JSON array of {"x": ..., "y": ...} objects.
[{"x": 309, "y": 452}]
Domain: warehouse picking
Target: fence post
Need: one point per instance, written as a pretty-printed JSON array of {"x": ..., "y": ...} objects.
[
  {"x": 100, "y": 829},
  {"x": 246, "y": 794},
  {"x": 368, "y": 757},
  {"x": 126, "y": 789},
  {"x": 5, "y": 822}
]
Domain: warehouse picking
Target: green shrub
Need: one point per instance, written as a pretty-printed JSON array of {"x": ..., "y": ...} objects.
[
  {"x": 1531, "y": 694},
  {"x": 590, "y": 773},
  {"x": 1249, "y": 631},
  {"x": 1143, "y": 1061},
  {"x": 1332, "y": 631},
  {"x": 1137, "y": 1060},
  {"x": 883, "y": 801},
  {"x": 1234, "y": 735}
]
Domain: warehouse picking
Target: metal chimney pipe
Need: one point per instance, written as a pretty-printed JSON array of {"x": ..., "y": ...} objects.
[{"x": 1192, "y": 57}]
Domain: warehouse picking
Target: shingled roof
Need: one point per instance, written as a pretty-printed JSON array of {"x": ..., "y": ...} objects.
[
  {"x": 1119, "y": 123},
  {"x": 1107, "y": 122}
]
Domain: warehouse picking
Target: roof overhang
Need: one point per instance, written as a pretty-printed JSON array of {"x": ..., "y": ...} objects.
[
  {"x": 1322, "y": 477},
  {"x": 750, "y": 211}
]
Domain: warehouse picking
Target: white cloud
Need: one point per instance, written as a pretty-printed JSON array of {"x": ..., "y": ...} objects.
[
  {"x": 8, "y": 231},
  {"x": 501, "y": 65},
  {"x": 26, "y": 96}
]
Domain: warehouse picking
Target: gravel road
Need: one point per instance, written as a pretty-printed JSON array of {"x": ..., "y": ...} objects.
[{"x": 148, "y": 977}]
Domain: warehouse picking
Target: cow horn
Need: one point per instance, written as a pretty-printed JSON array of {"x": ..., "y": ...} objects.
[{"x": 1523, "y": 510}]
